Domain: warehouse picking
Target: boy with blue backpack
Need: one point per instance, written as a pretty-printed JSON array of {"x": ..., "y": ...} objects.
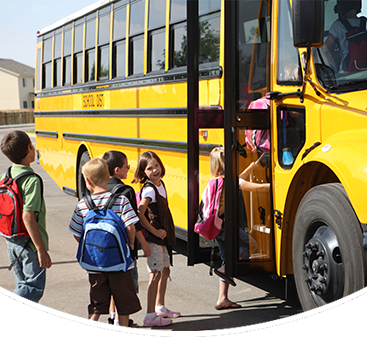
[{"x": 105, "y": 241}]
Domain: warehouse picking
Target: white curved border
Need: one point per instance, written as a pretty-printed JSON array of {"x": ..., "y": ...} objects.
[{"x": 162, "y": 333}]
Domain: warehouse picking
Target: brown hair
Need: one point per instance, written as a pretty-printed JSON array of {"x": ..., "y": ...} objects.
[
  {"x": 15, "y": 145},
  {"x": 344, "y": 6},
  {"x": 217, "y": 162},
  {"x": 114, "y": 159},
  {"x": 96, "y": 170},
  {"x": 140, "y": 176}
]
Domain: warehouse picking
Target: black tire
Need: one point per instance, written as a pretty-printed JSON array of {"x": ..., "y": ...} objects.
[
  {"x": 82, "y": 188},
  {"x": 328, "y": 254}
]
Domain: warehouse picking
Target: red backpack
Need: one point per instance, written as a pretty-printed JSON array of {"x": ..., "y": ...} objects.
[
  {"x": 357, "y": 38},
  {"x": 11, "y": 205}
]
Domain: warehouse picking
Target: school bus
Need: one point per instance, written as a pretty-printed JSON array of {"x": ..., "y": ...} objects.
[{"x": 259, "y": 77}]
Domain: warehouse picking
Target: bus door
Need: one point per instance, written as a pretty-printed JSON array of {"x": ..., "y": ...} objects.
[
  {"x": 248, "y": 205},
  {"x": 247, "y": 118}
]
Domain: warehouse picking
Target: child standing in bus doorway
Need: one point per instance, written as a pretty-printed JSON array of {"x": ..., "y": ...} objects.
[
  {"x": 217, "y": 170},
  {"x": 156, "y": 218},
  {"x": 347, "y": 10},
  {"x": 118, "y": 168}
]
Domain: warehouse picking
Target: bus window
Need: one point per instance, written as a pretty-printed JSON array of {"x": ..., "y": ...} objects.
[
  {"x": 178, "y": 45},
  {"x": 157, "y": 14},
  {"x": 119, "y": 59},
  {"x": 57, "y": 58},
  {"x": 206, "y": 6},
  {"x": 67, "y": 54},
  {"x": 47, "y": 58},
  {"x": 291, "y": 134},
  {"x": 119, "y": 42},
  {"x": 178, "y": 39},
  {"x": 254, "y": 49},
  {"x": 156, "y": 27},
  {"x": 136, "y": 48},
  {"x": 90, "y": 65},
  {"x": 157, "y": 50},
  {"x": 335, "y": 69},
  {"x": 289, "y": 68},
  {"x": 67, "y": 71},
  {"x": 90, "y": 42},
  {"x": 78, "y": 52},
  {"x": 103, "y": 43},
  {"x": 178, "y": 11},
  {"x": 209, "y": 38},
  {"x": 38, "y": 78}
]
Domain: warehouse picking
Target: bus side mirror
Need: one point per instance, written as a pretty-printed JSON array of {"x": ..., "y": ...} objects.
[{"x": 308, "y": 23}]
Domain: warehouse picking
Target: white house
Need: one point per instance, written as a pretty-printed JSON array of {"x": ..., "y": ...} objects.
[{"x": 16, "y": 85}]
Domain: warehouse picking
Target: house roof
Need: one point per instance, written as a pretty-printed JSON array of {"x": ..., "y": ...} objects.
[{"x": 16, "y": 67}]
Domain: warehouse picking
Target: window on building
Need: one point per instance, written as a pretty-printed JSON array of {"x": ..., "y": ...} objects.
[
  {"x": 25, "y": 105},
  {"x": 24, "y": 80}
]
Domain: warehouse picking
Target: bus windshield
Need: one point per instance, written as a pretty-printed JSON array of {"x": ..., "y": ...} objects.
[{"x": 341, "y": 63}]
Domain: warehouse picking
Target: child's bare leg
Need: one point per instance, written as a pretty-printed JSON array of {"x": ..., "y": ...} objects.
[
  {"x": 223, "y": 293},
  {"x": 124, "y": 320},
  {"x": 162, "y": 286},
  {"x": 94, "y": 317},
  {"x": 152, "y": 289},
  {"x": 112, "y": 306}
]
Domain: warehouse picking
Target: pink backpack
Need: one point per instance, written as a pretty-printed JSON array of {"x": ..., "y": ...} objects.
[{"x": 259, "y": 140}]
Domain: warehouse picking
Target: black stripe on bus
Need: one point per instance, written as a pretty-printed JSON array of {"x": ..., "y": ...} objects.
[
  {"x": 153, "y": 112},
  {"x": 137, "y": 142},
  {"x": 50, "y": 134},
  {"x": 147, "y": 80}
]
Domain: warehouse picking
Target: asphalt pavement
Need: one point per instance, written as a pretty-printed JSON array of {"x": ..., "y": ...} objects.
[{"x": 192, "y": 290}]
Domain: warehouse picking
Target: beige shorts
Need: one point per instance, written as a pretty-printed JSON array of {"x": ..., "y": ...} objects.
[{"x": 159, "y": 259}]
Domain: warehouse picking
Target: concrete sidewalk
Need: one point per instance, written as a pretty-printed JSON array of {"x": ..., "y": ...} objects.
[{"x": 192, "y": 291}]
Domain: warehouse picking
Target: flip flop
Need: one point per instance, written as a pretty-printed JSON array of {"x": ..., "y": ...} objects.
[
  {"x": 232, "y": 305},
  {"x": 224, "y": 276}
]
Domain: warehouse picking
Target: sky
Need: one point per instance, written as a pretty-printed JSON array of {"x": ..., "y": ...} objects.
[{"x": 21, "y": 19}]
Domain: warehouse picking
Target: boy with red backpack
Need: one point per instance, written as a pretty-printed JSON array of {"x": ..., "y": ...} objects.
[{"x": 27, "y": 238}]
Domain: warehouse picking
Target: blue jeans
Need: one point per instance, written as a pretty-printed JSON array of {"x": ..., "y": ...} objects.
[{"x": 30, "y": 278}]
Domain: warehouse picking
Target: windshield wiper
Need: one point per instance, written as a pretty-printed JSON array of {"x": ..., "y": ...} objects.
[{"x": 345, "y": 85}]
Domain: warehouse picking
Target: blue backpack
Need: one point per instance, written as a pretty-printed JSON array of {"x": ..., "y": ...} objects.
[{"x": 104, "y": 246}]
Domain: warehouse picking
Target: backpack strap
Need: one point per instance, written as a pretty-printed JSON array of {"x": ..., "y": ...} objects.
[
  {"x": 346, "y": 24},
  {"x": 90, "y": 203},
  {"x": 362, "y": 25}
]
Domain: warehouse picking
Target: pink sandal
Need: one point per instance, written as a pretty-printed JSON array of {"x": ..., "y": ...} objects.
[
  {"x": 168, "y": 314},
  {"x": 156, "y": 321}
]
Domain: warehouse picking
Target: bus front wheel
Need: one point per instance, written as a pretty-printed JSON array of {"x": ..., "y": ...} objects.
[
  {"x": 328, "y": 255},
  {"x": 82, "y": 188}
]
